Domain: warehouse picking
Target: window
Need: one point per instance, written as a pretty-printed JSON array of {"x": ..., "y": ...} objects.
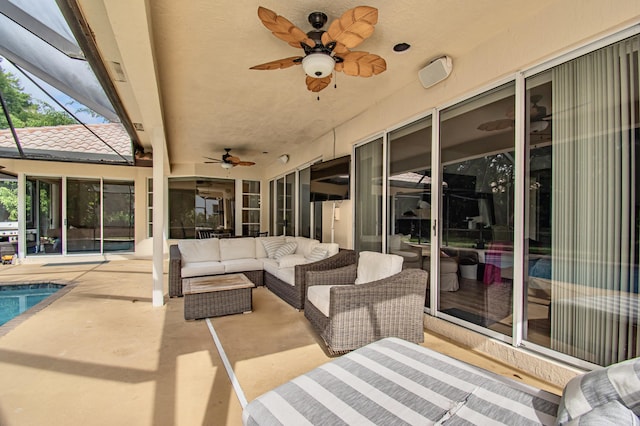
[
  {"x": 250, "y": 208},
  {"x": 201, "y": 204}
]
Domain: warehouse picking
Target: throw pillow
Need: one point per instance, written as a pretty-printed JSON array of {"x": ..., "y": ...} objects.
[
  {"x": 285, "y": 249},
  {"x": 271, "y": 246},
  {"x": 317, "y": 254}
]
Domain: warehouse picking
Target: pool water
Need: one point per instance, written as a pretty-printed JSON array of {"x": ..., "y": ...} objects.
[{"x": 15, "y": 299}]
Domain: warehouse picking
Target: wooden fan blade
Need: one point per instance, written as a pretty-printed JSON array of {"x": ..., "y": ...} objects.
[
  {"x": 362, "y": 64},
  {"x": 354, "y": 26},
  {"x": 317, "y": 84},
  {"x": 491, "y": 126},
  {"x": 245, "y": 163},
  {"x": 279, "y": 64},
  {"x": 282, "y": 28},
  {"x": 217, "y": 160},
  {"x": 232, "y": 159}
]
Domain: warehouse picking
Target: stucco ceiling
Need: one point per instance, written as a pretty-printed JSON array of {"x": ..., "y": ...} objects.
[{"x": 187, "y": 66}]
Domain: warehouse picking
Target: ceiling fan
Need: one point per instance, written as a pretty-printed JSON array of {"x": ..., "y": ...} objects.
[
  {"x": 327, "y": 50},
  {"x": 229, "y": 161},
  {"x": 539, "y": 119}
]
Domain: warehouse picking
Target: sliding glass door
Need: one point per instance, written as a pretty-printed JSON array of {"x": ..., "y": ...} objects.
[
  {"x": 583, "y": 205},
  {"x": 84, "y": 234},
  {"x": 368, "y": 197},
  {"x": 476, "y": 263}
]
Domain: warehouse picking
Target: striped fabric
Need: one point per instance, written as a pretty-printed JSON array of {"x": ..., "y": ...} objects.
[
  {"x": 317, "y": 254},
  {"x": 285, "y": 249},
  {"x": 395, "y": 382},
  {"x": 271, "y": 246},
  {"x": 603, "y": 394}
]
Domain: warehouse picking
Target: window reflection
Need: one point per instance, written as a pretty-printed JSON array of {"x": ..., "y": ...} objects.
[{"x": 476, "y": 258}]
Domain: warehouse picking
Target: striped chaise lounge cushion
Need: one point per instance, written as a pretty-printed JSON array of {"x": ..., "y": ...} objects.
[{"x": 392, "y": 382}]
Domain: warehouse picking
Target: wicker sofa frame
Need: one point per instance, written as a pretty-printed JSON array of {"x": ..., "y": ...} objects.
[
  {"x": 295, "y": 294},
  {"x": 175, "y": 278},
  {"x": 363, "y": 313}
]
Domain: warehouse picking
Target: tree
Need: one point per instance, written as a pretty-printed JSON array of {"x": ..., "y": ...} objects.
[{"x": 23, "y": 109}]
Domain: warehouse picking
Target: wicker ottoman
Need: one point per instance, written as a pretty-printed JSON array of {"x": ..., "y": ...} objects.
[{"x": 216, "y": 295}]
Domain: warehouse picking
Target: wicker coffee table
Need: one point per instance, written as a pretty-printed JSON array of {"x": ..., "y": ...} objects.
[{"x": 216, "y": 295}]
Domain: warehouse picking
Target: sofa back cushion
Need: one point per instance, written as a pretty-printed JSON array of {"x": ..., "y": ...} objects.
[
  {"x": 237, "y": 248},
  {"x": 331, "y": 248},
  {"x": 204, "y": 250},
  {"x": 374, "y": 266}
]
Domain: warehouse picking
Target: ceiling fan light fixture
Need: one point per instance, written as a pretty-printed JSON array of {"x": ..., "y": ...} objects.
[
  {"x": 318, "y": 65},
  {"x": 226, "y": 165}
]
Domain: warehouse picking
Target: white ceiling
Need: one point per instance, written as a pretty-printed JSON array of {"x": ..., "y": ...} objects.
[{"x": 187, "y": 65}]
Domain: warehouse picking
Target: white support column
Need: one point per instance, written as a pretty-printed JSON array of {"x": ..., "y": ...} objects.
[
  {"x": 22, "y": 215},
  {"x": 159, "y": 189}
]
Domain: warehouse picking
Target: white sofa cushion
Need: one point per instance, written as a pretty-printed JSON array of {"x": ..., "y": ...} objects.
[
  {"x": 261, "y": 252},
  {"x": 287, "y": 275},
  {"x": 237, "y": 248},
  {"x": 331, "y": 248},
  {"x": 204, "y": 250},
  {"x": 199, "y": 269},
  {"x": 318, "y": 295},
  {"x": 317, "y": 254},
  {"x": 374, "y": 266},
  {"x": 305, "y": 245},
  {"x": 240, "y": 265},
  {"x": 271, "y": 266},
  {"x": 291, "y": 260},
  {"x": 285, "y": 249}
]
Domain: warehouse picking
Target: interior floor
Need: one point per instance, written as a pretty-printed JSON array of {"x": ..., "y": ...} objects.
[{"x": 102, "y": 354}]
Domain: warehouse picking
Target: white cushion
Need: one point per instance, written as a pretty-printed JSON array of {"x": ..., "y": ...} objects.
[
  {"x": 305, "y": 245},
  {"x": 288, "y": 275},
  {"x": 285, "y": 249},
  {"x": 199, "y": 250},
  {"x": 331, "y": 248},
  {"x": 374, "y": 266},
  {"x": 395, "y": 241},
  {"x": 241, "y": 265},
  {"x": 271, "y": 266},
  {"x": 271, "y": 245},
  {"x": 260, "y": 250},
  {"x": 317, "y": 254},
  {"x": 237, "y": 248},
  {"x": 318, "y": 295},
  {"x": 291, "y": 260},
  {"x": 199, "y": 269}
]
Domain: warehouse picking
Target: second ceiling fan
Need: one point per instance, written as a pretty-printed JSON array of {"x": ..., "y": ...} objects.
[{"x": 327, "y": 50}]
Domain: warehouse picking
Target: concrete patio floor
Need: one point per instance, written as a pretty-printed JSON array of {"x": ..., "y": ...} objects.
[{"x": 101, "y": 354}]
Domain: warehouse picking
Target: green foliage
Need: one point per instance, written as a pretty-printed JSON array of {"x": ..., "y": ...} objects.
[{"x": 24, "y": 110}]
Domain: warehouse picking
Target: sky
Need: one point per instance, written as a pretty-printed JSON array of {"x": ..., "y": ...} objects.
[{"x": 29, "y": 87}]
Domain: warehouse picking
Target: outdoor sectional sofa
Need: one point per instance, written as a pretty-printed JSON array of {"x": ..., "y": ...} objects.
[{"x": 279, "y": 262}]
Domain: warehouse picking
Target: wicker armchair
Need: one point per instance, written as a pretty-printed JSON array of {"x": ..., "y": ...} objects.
[
  {"x": 363, "y": 313},
  {"x": 295, "y": 294}
]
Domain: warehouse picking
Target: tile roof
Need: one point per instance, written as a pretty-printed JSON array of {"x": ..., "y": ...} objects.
[{"x": 70, "y": 142}]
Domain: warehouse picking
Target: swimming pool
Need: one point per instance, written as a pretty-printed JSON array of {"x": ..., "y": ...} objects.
[{"x": 17, "y": 298}]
